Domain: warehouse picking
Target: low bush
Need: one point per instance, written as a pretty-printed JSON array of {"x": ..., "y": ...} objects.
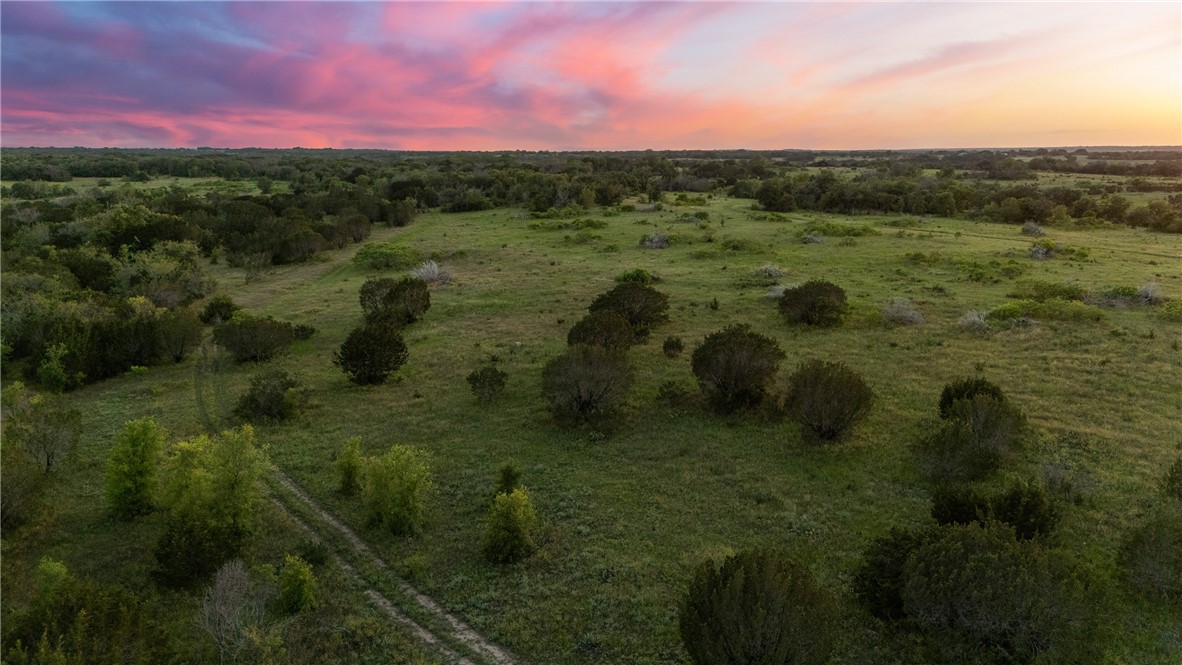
[
  {"x": 757, "y": 607},
  {"x": 386, "y": 256},
  {"x": 297, "y": 585},
  {"x": 1033, "y": 230},
  {"x": 253, "y": 338},
  {"x": 508, "y": 478},
  {"x": 1150, "y": 294},
  {"x": 902, "y": 312},
  {"x": 394, "y": 303},
  {"x": 131, "y": 468},
  {"x": 348, "y": 467},
  {"x": 487, "y": 382},
  {"x": 586, "y": 385},
  {"x": 643, "y": 307},
  {"x": 637, "y": 276},
  {"x": 1171, "y": 482},
  {"x": 218, "y": 309},
  {"x": 816, "y": 303},
  {"x": 672, "y": 347},
  {"x": 508, "y": 536},
  {"x": 1025, "y": 507},
  {"x": 734, "y": 367},
  {"x": 879, "y": 581},
  {"x": 827, "y": 398},
  {"x": 1053, "y": 309},
  {"x": 604, "y": 328},
  {"x": 431, "y": 273},
  {"x": 371, "y": 353},
  {"x": 1171, "y": 311},
  {"x": 394, "y": 489},
  {"x": 974, "y": 322},
  {"x": 1041, "y": 291},
  {"x": 1151, "y": 556},
  {"x": 974, "y": 441},
  {"x": 967, "y": 388},
  {"x": 654, "y": 241},
  {"x": 272, "y": 396}
]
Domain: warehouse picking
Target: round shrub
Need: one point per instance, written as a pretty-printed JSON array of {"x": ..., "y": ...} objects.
[
  {"x": 972, "y": 443},
  {"x": 487, "y": 382},
  {"x": 673, "y": 347},
  {"x": 604, "y": 328},
  {"x": 1151, "y": 556},
  {"x": 586, "y": 385},
  {"x": 511, "y": 520},
  {"x": 394, "y": 302},
  {"x": 758, "y": 607},
  {"x": 1025, "y": 507},
  {"x": 253, "y": 338},
  {"x": 828, "y": 398},
  {"x": 734, "y": 367},
  {"x": 879, "y": 580},
  {"x": 637, "y": 275},
  {"x": 394, "y": 488},
  {"x": 642, "y": 306},
  {"x": 967, "y": 389},
  {"x": 297, "y": 585},
  {"x": 816, "y": 303},
  {"x": 386, "y": 256},
  {"x": 273, "y": 395},
  {"x": 371, "y": 353},
  {"x": 217, "y": 310}
]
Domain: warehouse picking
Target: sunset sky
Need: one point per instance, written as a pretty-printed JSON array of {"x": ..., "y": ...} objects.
[{"x": 590, "y": 75}]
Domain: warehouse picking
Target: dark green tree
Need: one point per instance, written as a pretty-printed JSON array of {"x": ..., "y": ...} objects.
[{"x": 734, "y": 367}]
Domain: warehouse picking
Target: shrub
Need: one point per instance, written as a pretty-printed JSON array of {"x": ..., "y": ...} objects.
[
  {"x": 637, "y": 276},
  {"x": 1041, "y": 291},
  {"x": 272, "y": 395},
  {"x": 487, "y": 382},
  {"x": 508, "y": 478},
  {"x": 371, "y": 353},
  {"x": 586, "y": 384},
  {"x": 758, "y": 607},
  {"x": 131, "y": 468},
  {"x": 191, "y": 548},
  {"x": 23, "y": 483},
  {"x": 654, "y": 241},
  {"x": 642, "y": 306},
  {"x": 1151, "y": 556},
  {"x": 431, "y": 273},
  {"x": 673, "y": 347},
  {"x": 1025, "y": 507},
  {"x": 41, "y": 426},
  {"x": 386, "y": 256},
  {"x": 403, "y": 212},
  {"x": 879, "y": 580},
  {"x": 974, "y": 322},
  {"x": 1055, "y": 309},
  {"x": 253, "y": 338},
  {"x": 1033, "y": 230},
  {"x": 508, "y": 535},
  {"x": 967, "y": 388},
  {"x": 734, "y": 366},
  {"x": 1170, "y": 310},
  {"x": 394, "y": 302},
  {"x": 348, "y": 467},
  {"x": 1171, "y": 482},
  {"x": 1150, "y": 294},
  {"x": 972, "y": 443},
  {"x": 180, "y": 332},
  {"x": 901, "y": 311},
  {"x": 604, "y": 328},
  {"x": 827, "y": 398},
  {"x": 394, "y": 489},
  {"x": 297, "y": 585},
  {"x": 816, "y": 303},
  {"x": 218, "y": 310}
]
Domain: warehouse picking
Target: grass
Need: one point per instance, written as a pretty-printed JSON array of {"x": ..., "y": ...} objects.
[{"x": 624, "y": 521}]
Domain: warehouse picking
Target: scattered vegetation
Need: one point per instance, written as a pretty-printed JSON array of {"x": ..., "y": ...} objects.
[{"x": 254, "y": 338}]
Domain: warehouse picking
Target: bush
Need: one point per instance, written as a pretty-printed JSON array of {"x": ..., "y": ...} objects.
[
  {"x": 273, "y": 395},
  {"x": 654, "y": 241},
  {"x": 1041, "y": 291},
  {"x": 218, "y": 310},
  {"x": 1033, "y": 230},
  {"x": 487, "y": 382},
  {"x": 1025, "y": 507},
  {"x": 20, "y": 491},
  {"x": 974, "y": 322},
  {"x": 879, "y": 580},
  {"x": 816, "y": 303},
  {"x": 586, "y": 385},
  {"x": 1151, "y": 556},
  {"x": 1169, "y": 311},
  {"x": 180, "y": 332},
  {"x": 734, "y": 367},
  {"x": 394, "y": 489},
  {"x": 758, "y": 607},
  {"x": 637, "y": 276},
  {"x": 394, "y": 302},
  {"x": 40, "y": 426},
  {"x": 604, "y": 328},
  {"x": 131, "y": 468},
  {"x": 642, "y": 306},
  {"x": 253, "y": 338},
  {"x": 901, "y": 311},
  {"x": 1171, "y": 482},
  {"x": 827, "y": 398},
  {"x": 371, "y": 353},
  {"x": 1150, "y": 294},
  {"x": 978, "y": 435},
  {"x": 348, "y": 467},
  {"x": 673, "y": 347},
  {"x": 508, "y": 478},
  {"x": 386, "y": 256},
  {"x": 297, "y": 585},
  {"x": 1053, "y": 309},
  {"x": 511, "y": 520},
  {"x": 967, "y": 388},
  {"x": 191, "y": 548},
  {"x": 431, "y": 273}
]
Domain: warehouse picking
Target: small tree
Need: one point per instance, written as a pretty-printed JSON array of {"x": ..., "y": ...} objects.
[
  {"x": 878, "y": 582},
  {"x": 297, "y": 585},
  {"x": 487, "y": 382},
  {"x": 508, "y": 478},
  {"x": 371, "y": 353},
  {"x": 586, "y": 384},
  {"x": 230, "y": 608},
  {"x": 180, "y": 333},
  {"x": 604, "y": 328},
  {"x": 828, "y": 398},
  {"x": 38, "y": 423},
  {"x": 273, "y": 395},
  {"x": 979, "y": 434},
  {"x": 734, "y": 367},
  {"x": 967, "y": 389},
  {"x": 131, "y": 468},
  {"x": 218, "y": 310},
  {"x": 758, "y": 607},
  {"x": 672, "y": 347},
  {"x": 348, "y": 467},
  {"x": 394, "y": 489},
  {"x": 642, "y": 306},
  {"x": 253, "y": 338},
  {"x": 511, "y": 520},
  {"x": 816, "y": 303},
  {"x": 394, "y": 302}
]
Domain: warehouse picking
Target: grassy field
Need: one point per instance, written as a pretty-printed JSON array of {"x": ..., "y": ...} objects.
[{"x": 625, "y": 520}]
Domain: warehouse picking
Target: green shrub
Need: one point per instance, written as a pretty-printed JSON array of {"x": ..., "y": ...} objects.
[
  {"x": 1041, "y": 291},
  {"x": 586, "y": 385},
  {"x": 879, "y": 580},
  {"x": 974, "y": 441},
  {"x": 511, "y": 521},
  {"x": 371, "y": 353},
  {"x": 642, "y": 306},
  {"x": 1170, "y": 310},
  {"x": 394, "y": 302},
  {"x": 508, "y": 478},
  {"x": 636, "y": 276},
  {"x": 272, "y": 396},
  {"x": 488, "y": 382},
  {"x": 1171, "y": 482},
  {"x": 348, "y": 467},
  {"x": 835, "y": 230},
  {"x": 604, "y": 328},
  {"x": 758, "y": 607},
  {"x": 394, "y": 489},
  {"x": 1024, "y": 507},
  {"x": 672, "y": 347},
  {"x": 253, "y": 338},
  {"x": 1053, "y": 309},
  {"x": 734, "y": 367},
  {"x": 41, "y": 426},
  {"x": 827, "y": 398},
  {"x": 967, "y": 388},
  {"x": 816, "y": 303},
  {"x": 191, "y": 548},
  {"x": 1151, "y": 556},
  {"x": 297, "y": 585},
  {"x": 51, "y": 372},
  {"x": 386, "y": 256},
  {"x": 218, "y": 310},
  {"x": 131, "y": 468},
  {"x": 180, "y": 332}
]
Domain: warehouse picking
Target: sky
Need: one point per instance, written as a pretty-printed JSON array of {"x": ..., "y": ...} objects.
[{"x": 590, "y": 75}]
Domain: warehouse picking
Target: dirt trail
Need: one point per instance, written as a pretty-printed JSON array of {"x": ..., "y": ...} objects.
[{"x": 458, "y": 631}]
